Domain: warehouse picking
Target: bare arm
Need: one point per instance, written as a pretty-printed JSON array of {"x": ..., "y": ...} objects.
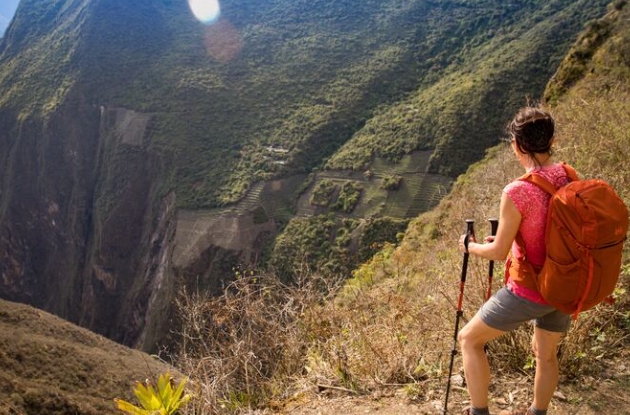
[{"x": 509, "y": 222}]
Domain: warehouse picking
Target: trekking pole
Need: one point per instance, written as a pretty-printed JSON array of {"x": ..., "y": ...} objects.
[
  {"x": 469, "y": 233},
  {"x": 494, "y": 224}
]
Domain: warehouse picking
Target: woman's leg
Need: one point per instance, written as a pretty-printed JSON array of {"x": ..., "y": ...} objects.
[
  {"x": 472, "y": 339},
  {"x": 545, "y": 347}
]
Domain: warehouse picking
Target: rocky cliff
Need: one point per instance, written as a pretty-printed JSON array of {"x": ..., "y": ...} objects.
[{"x": 83, "y": 234}]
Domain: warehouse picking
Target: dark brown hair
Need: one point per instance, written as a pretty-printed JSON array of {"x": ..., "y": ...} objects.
[{"x": 532, "y": 128}]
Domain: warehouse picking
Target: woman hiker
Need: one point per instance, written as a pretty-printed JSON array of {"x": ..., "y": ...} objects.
[{"x": 523, "y": 212}]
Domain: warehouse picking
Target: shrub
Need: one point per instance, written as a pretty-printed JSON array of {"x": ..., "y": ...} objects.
[
  {"x": 377, "y": 232},
  {"x": 391, "y": 182},
  {"x": 348, "y": 197},
  {"x": 249, "y": 345},
  {"x": 323, "y": 193},
  {"x": 161, "y": 400}
]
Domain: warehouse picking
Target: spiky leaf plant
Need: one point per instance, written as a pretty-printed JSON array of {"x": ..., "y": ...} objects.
[{"x": 165, "y": 400}]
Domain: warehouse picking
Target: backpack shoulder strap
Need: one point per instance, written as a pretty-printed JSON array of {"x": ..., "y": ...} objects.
[
  {"x": 571, "y": 173},
  {"x": 539, "y": 181},
  {"x": 544, "y": 184}
]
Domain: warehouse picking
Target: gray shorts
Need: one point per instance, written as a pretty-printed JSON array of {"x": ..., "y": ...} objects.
[{"x": 506, "y": 311}]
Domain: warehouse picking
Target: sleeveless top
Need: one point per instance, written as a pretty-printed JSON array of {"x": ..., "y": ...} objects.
[{"x": 533, "y": 202}]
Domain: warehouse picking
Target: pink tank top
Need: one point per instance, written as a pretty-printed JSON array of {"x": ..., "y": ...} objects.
[{"x": 532, "y": 202}]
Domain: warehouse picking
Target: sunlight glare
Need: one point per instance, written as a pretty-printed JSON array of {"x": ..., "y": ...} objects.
[{"x": 206, "y": 11}]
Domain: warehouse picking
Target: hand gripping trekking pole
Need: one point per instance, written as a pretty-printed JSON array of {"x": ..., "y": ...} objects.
[
  {"x": 470, "y": 233},
  {"x": 494, "y": 224}
]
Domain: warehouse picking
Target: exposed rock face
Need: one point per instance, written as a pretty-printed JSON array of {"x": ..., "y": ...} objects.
[
  {"x": 130, "y": 231},
  {"x": 47, "y": 192},
  {"x": 82, "y": 234}
]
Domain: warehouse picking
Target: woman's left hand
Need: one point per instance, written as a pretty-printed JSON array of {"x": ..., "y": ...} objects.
[{"x": 462, "y": 242}]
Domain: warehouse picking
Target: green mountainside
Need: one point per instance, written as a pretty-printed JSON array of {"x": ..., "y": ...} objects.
[
  {"x": 141, "y": 150},
  {"x": 312, "y": 77}
]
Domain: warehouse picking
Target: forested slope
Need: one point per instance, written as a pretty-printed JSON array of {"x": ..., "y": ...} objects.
[{"x": 304, "y": 76}]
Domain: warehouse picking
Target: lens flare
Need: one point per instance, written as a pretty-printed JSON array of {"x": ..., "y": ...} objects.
[
  {"x": 206, "y": 11},
  {"x": 223, "y": 41}
]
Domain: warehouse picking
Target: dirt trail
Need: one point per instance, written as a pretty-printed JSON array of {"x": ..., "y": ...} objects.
[{"x": 588, "y": 396}]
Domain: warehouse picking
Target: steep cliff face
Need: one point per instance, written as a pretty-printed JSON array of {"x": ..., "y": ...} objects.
[
  {"x": 128, "y": 253},
  {"x": 47, "y": 189},
  {"x": 83, "y": 234}
]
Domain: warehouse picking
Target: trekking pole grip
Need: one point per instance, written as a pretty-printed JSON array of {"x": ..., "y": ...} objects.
[
  {"x": 470, "y": 232},
  {"x": 494, "y": 225}
]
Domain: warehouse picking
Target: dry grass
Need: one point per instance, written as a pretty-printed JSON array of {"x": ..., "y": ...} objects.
[
  {"x": 248, "y": 346},
  {"x": 50, "y": 367}
]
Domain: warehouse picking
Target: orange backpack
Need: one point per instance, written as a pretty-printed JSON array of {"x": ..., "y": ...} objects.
[{"x": 586, "y": 228}]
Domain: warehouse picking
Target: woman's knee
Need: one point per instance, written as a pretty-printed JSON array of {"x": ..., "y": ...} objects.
[
  {"x": 462, "y": 337},
  {"x": 476, "y": 334},
  {"x": 469, "y": 339},
  {"x": 545, "y": 356}
]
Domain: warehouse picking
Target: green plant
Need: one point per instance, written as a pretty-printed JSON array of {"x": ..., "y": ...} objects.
[
  {"x": 162, "y": 400},
  {"x": 391, "y": 182},
  {"x": 378, "y": 232},
  {"x": 348, "y": 197},
  {"x": 323, "y": 193}
]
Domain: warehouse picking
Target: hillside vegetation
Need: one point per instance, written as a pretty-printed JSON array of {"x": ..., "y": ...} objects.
[
  {"x": 388, "y": 330},
  {"x": 329, "y": 83}
]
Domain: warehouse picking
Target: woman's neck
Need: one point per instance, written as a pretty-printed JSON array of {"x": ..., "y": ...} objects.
[{"x": 537, "y": 162}]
